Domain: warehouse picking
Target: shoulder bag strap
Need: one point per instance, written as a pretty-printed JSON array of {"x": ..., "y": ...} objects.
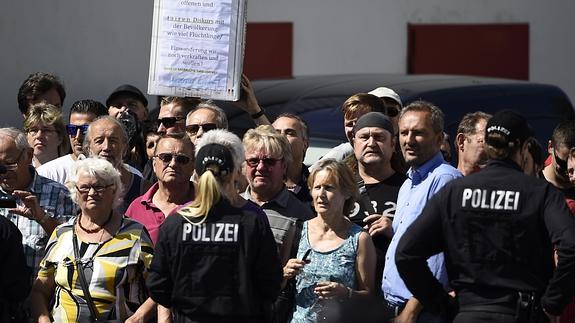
[{"x": 80, "y": 271}]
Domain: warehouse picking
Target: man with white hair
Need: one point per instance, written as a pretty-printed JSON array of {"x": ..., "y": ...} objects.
[
  {"x": 41, "y": 204},
  {"x": 106, "y": 138}
]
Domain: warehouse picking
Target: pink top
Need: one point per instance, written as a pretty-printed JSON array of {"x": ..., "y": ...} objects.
[{"x": 144, "y": 211}]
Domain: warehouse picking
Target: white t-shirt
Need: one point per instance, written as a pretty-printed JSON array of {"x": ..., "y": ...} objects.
[
  {"x": 60, "y": 168},
  {"x": 57, "y": 169}
]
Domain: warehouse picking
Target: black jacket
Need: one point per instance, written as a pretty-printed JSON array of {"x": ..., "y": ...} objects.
[
  {"x": 497, "y": 228},
  {"x": 226, "y": 269},
  {"x": 14, "y": 273}
]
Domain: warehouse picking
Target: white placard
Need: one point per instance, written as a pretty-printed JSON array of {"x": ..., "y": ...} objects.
[{"x": 197, "y": 48}]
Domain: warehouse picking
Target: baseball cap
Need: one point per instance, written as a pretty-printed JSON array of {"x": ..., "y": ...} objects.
[
  {"x": 385, "y": 92},
  {"x": 373, "y": 119},
  {"x": 216, "y": 158},
  {"x": 512, "y": 125},
  {"x": 127, "y": 89}
]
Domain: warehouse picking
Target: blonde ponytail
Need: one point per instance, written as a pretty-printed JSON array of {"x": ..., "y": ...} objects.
[{"x": 207, "y": 195}]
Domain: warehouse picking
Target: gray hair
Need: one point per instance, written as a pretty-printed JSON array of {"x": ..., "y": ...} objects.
[
  {"x": 100, "y": 168},
  {"x": 88, "y": 139},
  {"x": 437, "y": 116},
  {"x": 221, "y": 118},
  {"x": 17, "y": 135},
  {"x": 226, "y": 139}
]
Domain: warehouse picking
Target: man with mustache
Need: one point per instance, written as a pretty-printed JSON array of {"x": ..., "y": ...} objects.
[
  {"x": 374, "y": 145},
  {"x": 470, "y": 142},
  {"x": 420, "y": 138},
  {"x": 82, "y": 113}
]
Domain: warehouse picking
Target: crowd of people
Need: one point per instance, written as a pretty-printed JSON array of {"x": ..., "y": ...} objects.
[{"x": 116, "y": 216}]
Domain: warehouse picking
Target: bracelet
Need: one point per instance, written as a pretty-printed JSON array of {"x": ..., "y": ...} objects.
[
  {"x": 258, "y": 114},
  {"x": 349, "y": 292}
]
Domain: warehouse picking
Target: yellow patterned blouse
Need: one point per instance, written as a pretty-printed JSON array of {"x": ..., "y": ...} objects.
[{"x": 115, "y": 271}]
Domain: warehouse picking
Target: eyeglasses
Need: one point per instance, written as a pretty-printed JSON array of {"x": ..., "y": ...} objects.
[
  {"x": 97, "y": 188},
  {"x": 10, "y": 166},
  {"x": 167, "y": 158},
  {"x": 268, "y": 161},
  {"x": 72, "y": 129},
  {"x": 192, "y": 129},
  {"x": 169, "y": 122},
  {"x": 35, "y": 131}
]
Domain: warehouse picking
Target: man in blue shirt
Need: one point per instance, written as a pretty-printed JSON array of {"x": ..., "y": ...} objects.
[{"x": 420, "y": 138}]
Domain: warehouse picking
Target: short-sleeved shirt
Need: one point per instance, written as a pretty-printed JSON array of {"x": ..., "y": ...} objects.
[
  {"x": 143, "y": 210},
  {"x": 284, "y": 204},
  {"x": 115, "y": 271},
  {"x": 52, "y": 197},
  {"x": 421, "y": 184}
]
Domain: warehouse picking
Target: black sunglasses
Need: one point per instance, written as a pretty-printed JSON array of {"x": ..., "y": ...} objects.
[
  {"x": 169, "y": 122},
  {"x": 560, "y": 162},
  {"x": 194, "y": 128},
  {"x": 72, "y": 130},
  {"x": 392, "y": 111},
  {"x": 167, "y": 158},
  {"x": 268, "y": 161}
]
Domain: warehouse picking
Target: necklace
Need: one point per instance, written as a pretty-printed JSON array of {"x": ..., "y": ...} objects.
[{"x": 97, "y": 229}]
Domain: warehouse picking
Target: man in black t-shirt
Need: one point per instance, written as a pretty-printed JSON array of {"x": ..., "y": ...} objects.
[{"x": 373, "y": 145}]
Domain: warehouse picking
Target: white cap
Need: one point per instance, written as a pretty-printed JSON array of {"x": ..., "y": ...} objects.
[{"x": 385, "y": 92}]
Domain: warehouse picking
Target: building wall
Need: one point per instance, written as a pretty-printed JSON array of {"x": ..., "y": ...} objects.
[{"x": 95, "y": 46}]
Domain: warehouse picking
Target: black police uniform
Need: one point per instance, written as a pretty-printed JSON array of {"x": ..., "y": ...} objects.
[
  {"x": 497, "y": 228},
  {"x": 224, "y": 270}
]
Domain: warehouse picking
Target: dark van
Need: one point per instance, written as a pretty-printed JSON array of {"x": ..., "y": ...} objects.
[{"x": 317, "y": 99}]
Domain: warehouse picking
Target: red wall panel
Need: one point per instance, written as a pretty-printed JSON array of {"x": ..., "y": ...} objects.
[
  {"x": 268, "y": 51},
  {"x": 499, "y": 50}
]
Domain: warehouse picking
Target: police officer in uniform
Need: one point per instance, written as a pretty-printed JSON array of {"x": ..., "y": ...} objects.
[
  {"x": 498, "y": 229},
  {"x": 216, "y": 259}
]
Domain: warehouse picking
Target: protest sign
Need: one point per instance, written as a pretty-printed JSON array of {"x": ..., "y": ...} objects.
[{"x": 197, "y": 48}]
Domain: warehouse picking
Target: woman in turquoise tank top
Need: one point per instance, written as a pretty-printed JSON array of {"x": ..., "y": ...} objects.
[{"x": 335, "y": 259}]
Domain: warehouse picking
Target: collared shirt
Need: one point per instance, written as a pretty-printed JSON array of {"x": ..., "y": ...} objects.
[
  {"x": 143, "y": 210},
  {"x": 284, "y": 212},
  {"x": 284, "y": 203},
  {"x": 52, "y": 197},
  {"x": 421, "y": 184}
]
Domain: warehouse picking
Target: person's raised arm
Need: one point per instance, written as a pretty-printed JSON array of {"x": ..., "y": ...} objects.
[{"x": 249, "y": 103}]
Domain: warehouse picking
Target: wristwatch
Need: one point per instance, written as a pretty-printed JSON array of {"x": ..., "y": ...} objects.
[
  {"x": 258, "y": 114},
  {"x": 47, "y": 215}
]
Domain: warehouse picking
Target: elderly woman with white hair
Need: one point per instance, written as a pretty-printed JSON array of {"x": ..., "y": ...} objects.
[{"x": 95, "y": 264}]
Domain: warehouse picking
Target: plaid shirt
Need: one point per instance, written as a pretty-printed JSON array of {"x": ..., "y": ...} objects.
[{"x": 53, "y": 197}]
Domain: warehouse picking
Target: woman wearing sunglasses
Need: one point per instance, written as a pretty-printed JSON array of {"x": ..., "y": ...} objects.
[
  {"x": 46, "y": 133},
  {"x": 216, "y": 258},
  {"x": 95, "y": 264}
]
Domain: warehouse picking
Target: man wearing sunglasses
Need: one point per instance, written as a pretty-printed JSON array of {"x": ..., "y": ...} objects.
[
  {"x": 82, "y": 113},
  {"x": 205, "y": 117},
  {"x": 555, "y": 170},
  {"x": 173, "y": 112},
  {"x": 41, "y": 204},
  {"x": 173, "y": 164}
]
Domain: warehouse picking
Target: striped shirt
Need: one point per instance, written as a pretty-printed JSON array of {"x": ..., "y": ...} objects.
[{"x": 115, "y": 271}]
